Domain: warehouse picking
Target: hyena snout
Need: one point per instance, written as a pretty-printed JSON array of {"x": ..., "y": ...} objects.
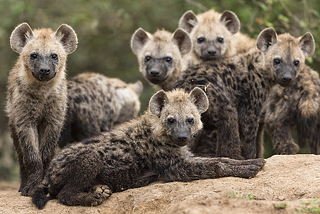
[
  {"x": 156, "y": 74},
  {"x": 286, "y": 78},
  {"x": 44, "y": 73},
  {"x": 45, "y": 70},
  {"x": 211, "y": 52}
]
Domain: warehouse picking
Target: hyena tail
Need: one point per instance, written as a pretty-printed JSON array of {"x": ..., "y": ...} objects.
[{"x": 39, "y": 197}]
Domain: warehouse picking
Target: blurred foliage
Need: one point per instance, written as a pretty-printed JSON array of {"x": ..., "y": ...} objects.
[{"x": 104, "y": 29}]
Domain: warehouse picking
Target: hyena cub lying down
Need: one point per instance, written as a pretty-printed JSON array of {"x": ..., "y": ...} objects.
[
  {"x": 97, "y": 103},
  {"x": 37, "y": 97},
  {"x": 214, "y": 36},
  {"x": 160, "y": 55},
  {"x": 237, "y": 88},
  {"x": 156, "y": 142}
]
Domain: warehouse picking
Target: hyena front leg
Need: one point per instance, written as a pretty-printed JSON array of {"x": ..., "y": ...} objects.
[{"x": 31, "y": 168}]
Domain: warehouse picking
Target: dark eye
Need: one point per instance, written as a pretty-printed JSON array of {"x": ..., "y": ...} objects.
[
  {"x": 54, "y": 56},
  {"x": 200, "y": 40},
  {"x": 276, "y": 61},
  {"x": 33, "y": 56},
  {"x": 296, "y": 63},
  {"x": 147, "y": 58},
  {"x": 168, "y": 59},
  {"x": 190, "y": 120},
  {"x": 170, "y": 120},
  {"x": 220, "y": 40}
]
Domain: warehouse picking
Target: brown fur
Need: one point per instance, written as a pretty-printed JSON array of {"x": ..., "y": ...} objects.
[
  {"x": 97, "y": 103},
  {"x": 37, "y": 97},
  {"x": 212, "y": 26},
  {"x": 237, "y": 88},
  {"x": 155, "y": 144},
  {"x": 160, "y": 55}
]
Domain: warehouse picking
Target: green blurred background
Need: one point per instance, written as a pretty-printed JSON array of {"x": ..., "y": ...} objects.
[{"x": 104, "y": 29}]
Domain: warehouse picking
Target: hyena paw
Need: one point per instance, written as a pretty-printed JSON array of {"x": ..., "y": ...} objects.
[
  {"x": 101, "y": 193},
  {"x": 288, "y": 149},
  {"x": 28, "y": 190}
]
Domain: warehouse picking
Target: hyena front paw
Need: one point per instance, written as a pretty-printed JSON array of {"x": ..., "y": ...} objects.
[
  {"x": 288, "y": 149},
  {"x": 101, "y": 193}
]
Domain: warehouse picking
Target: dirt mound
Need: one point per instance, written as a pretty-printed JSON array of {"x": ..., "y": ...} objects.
[{"x": 287, "y": 184}]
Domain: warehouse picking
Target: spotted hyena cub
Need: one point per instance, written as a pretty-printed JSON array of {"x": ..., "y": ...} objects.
[
  {"x": 214, "y": 35},
  {"x": 37, "y": 97},
  {"x": 160, "y": 55},
  {"x": 297, "y": 105},
  {"x": 83, "y": 174},
  {"x": 237, "y": 88},
  {"x": 97, "y": 103}
]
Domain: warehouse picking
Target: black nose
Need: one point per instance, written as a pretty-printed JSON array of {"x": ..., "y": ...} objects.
[
  {"x": 182, "y": 138},
  {"x": 155, "y": 72},
  {"x": 45, "y": 70},
  {"x": 211, "y": 52},
  {"x": 286, "y": 78}
]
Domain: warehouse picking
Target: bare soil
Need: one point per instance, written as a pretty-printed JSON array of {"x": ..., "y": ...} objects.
[{"x": 287, "y": 184}]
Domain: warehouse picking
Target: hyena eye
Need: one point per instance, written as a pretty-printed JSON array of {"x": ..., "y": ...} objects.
[
  {"x": 220, "y": 40},
  {"x": 147, "y": 58},
  {"x": 33, "y": 56},
  {"x": 54, "y": 56},
  {"x": 200, "y": 40},
  {"x": 169, "y": 59},
  {"x": 276, "y": 61},
  {"x": 170, "y": 120},
  {"x": 296, "y": 63},
  {"x": 190, "y": 120}
]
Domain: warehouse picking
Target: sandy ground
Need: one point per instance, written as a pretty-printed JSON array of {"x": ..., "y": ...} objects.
[{"x": 287, "y": 184}]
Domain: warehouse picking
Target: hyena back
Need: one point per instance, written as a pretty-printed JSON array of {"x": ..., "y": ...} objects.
[
  {"x": 37, "y": 97},
  {"x": 96, "y": 103},
  {"x": 237, "y": 88},
  {"x": 155, "y": 142},
  {"x": 160, "y": 55},
  {"x": 214, "y": 36}
]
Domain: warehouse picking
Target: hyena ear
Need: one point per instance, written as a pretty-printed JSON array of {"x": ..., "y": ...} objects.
[
  {"x": 138, "y": 40},
  {"x": 137, "y": 87},
  {"x": 200, "y": 99},
  {"x": 20, "y": 37},
  {"x": 182, "y": 39},
  {"x": 188, "y": 21},
  {"x": 307, "y": 45},
  {"x": 266, "y": 39},
  {"x": 231, "y": 21},
  {"x": 157, "y": 102},
  {"x": 67, "y": 37}
]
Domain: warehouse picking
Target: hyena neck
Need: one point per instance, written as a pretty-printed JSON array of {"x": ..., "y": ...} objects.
[{"x": 168, "y": 84}]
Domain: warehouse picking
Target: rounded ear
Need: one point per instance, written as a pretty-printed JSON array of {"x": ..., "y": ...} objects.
[
  {"x": 67, "y": 37},
  {"x": 20, "y": 37},
  {"x": 188, "y": 21},
  {"x": 307, "y": 45},
  {"x": 266, "y": 39},
  {"x": 138, "y": 40},
  {"x": 200, "y": 99},
  {"x": 183, "y": 40},
  {"x": 231, "y": 21},
  {"x": 157, "y": 102},
  {"x": 137, "y": 87}
]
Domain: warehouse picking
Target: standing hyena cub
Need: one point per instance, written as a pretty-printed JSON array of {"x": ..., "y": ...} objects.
[
  {"x": 214, "y": 35},
  {"x": 37, "y": 97},
  {"x": 160, "y": 55},
  {"x": 155, "y": 142},
  {"x": 97, "y": 103}
]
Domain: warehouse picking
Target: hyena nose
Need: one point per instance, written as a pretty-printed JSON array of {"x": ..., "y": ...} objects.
[
  {"x": 211, "y": 52},
  {"x": 286, "y": 78},
  {"x": 155, "y": 72},
  {"x": 45, "y": 70},
  {"x": 182, "y": 138}
]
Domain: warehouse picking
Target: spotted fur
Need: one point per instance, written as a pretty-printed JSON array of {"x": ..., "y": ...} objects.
[
  {"x": 97, "y": 103},
  {"x": 37, "y": 97},
  {"x": 155, "y": 144}
]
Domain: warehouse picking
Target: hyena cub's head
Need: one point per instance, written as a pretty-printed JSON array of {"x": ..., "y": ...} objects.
[
  {"x": 211, "y": 33},
  {"x": 178, "y": 114},
  {"x": 284, "y": 55},
  {"x": 160, "y": 54},
  {"x": 42, "y": 51}
]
